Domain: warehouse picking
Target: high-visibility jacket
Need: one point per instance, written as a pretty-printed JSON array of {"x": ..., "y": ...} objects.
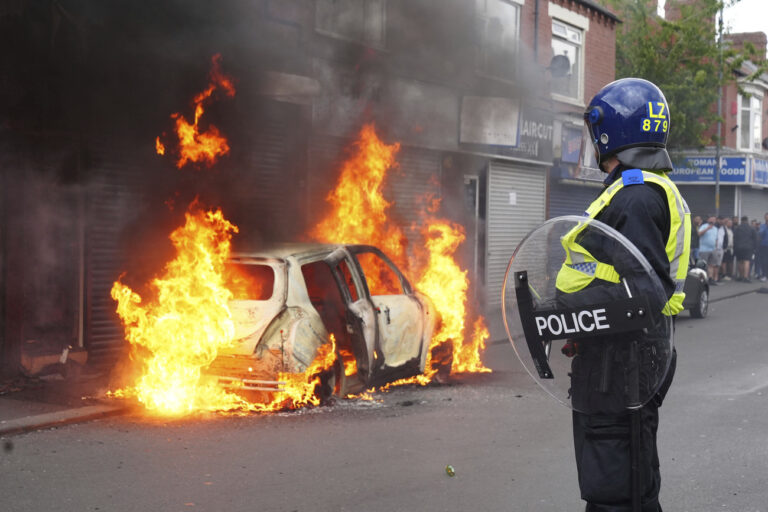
[{"x": 581, "y": 268}]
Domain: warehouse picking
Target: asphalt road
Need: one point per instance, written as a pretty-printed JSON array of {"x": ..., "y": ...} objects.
[{"x": 508, "y": 441}]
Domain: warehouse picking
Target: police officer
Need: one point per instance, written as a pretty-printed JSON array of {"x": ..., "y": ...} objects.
[{"x": 627, "y": 123}]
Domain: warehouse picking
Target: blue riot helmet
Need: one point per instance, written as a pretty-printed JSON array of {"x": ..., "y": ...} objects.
[{"x": 629, "y": 119}]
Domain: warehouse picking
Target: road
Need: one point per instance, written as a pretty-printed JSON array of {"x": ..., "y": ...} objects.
[{"x": 510, "y": 444}]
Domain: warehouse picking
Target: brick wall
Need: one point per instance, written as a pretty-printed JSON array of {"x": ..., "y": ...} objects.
[{"x": 599, "y": 44}]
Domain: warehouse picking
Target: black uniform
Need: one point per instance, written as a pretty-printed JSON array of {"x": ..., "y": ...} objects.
[{"x": 602, "y": 439}]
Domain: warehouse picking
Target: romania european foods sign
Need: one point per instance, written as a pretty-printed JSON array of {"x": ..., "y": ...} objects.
[{"x": 701, "y": 169}]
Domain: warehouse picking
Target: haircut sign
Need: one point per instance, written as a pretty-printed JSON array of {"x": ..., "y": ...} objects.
[{"x": 601, "y": 349}]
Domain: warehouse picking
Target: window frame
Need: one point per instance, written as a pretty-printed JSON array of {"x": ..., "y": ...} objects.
[
  {"x": 580, "y": 24},
  {"x": 366, "y": 39},
  {"x": 755, "y": 121},
  {"x": 481, "y": 17}
]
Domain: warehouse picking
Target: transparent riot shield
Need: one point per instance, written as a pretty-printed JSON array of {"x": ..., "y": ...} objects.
[{"x": 584, "y": 312}]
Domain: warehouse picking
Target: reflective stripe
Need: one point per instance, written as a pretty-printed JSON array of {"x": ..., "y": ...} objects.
[{"x": 677, "y": 248}]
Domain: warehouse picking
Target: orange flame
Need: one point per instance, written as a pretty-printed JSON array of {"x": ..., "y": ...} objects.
[
  {"x": 196, "y": 146},
  {"x": 180, "y": 331},
  {"x": 360, "y": 214}
]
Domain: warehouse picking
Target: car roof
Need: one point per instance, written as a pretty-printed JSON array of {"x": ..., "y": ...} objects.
[{"x": 287, "y": 250}]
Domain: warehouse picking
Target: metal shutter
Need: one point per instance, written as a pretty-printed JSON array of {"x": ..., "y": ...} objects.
[
  {"x": 701, "y": 199},
  {"x": 408, "y": 185},
  {"x": 111, "y": 195},
  {"x": 270, "y": 188},
  {"x": 509, "y": 223},
  {"x": 754, "y": 203},
  {"x": 570, "y": 198}
]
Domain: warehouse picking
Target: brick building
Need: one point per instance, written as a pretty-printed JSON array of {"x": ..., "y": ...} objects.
[
  {"x": 744, "y": 151},
  {"x": 485, "y": 97}
]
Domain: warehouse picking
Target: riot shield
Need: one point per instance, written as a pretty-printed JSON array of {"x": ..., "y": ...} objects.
[{"x": 584, "y": 312}]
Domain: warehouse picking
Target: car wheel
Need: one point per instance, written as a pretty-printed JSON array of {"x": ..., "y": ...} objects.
[
  {"x": 331, "y": 382},
  {"x": 701, "y": 308}
]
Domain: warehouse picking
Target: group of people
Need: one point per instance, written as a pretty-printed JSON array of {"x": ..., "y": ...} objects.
[{"x": 732, "y": 248}]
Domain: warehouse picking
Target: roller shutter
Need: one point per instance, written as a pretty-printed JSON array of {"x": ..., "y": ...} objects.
[
  {"x": 516, "y": 203},
  {"x": 111, "y": 197},
  {"x": 571, "y": 198},
  {"x": 701, "y": 199},
  {"x": 271, "y": 189},
  {"x": 754, "y": 203},
  {"x": 416, "y": 177}
]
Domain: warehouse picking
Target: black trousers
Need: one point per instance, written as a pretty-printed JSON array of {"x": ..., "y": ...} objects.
[{"x": 603, "y": 457}]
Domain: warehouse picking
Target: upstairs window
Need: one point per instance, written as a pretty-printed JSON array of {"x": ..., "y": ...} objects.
[
  {"x": 499, "y": 32},
  {"x": 751, "y": 123},
  {"x": 567, "y": 43},
  {"x": 363, "y": 21}
]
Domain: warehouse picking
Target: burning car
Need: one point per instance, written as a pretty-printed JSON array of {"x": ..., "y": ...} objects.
[{"x": 296, "y": 297}]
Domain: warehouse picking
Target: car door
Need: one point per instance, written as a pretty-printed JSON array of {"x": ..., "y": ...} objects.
[
  {"x": 398, "y": 314},
  {"x": 360, "y": 315}
]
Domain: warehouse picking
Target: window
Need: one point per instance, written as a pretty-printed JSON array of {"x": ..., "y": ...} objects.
[
  {"x": 750, "y": 123},
  {"x": 499, "y": 31},
  {"x": 250, "y": 281},
  {"x": 358, "y": 20},
  {"x": 567, "y": 42},
  {"x": 382, "y": 280}
]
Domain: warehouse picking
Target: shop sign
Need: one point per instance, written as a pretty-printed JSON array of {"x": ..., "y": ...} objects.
[
  {"x": 503, "y": 127},
  {"x": 760, "y": 171},
  {"x": 701, "y": 169}
]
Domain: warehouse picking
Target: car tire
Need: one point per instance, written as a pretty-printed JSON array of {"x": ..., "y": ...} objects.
[
  {"x": 701, "y": 308},
  {"x": 331, "y": 383}
]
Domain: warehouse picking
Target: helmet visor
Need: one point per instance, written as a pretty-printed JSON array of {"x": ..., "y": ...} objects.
[{"x": 589, "y": 156}]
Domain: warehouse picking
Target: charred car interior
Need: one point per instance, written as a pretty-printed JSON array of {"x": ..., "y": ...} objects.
[{"x": 302, "y": 295}]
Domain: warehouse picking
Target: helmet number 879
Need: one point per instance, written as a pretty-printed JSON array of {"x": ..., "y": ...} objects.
[{"x": 654, "y": 125}]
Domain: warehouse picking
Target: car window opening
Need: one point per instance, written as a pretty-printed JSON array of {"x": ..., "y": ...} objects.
[
  {"x": 381, "y": 278},
  {"x": 327, "y": 300},
  {"x": 250, "y": 281}
]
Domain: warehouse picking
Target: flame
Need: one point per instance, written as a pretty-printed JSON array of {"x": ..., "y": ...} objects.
[
  {"x": 196, "y": 146},
  {"x": 360, "y": 214},
  {"x": 180, "y": 330}
]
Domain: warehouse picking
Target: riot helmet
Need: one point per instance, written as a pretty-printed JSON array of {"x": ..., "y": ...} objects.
[{"x": 629, "y": 119}]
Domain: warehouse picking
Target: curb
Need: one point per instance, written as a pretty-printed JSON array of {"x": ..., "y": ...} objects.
[
  {"x": 56, "y": 419},
  {"x": 738, "y": 294}
]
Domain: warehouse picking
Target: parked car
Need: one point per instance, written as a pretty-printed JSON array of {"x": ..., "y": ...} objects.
[
  {"x": 697, "y": 290},
  {"x": 298, "y": 295}
]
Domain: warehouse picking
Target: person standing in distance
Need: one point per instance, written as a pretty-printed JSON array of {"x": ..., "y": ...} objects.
[{"x": 628, "y": 123}]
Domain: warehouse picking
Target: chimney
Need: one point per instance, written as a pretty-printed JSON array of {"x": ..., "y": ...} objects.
[
  {"x": 758, "y": 39},
  {"x": 672, "y": 11}
]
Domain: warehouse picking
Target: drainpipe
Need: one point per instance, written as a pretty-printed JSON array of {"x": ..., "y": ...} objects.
[{"x": 536, "y": 31}]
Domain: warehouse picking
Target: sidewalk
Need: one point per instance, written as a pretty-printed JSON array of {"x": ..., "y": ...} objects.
[
  {"x": 35, "y": 403},
  {"x": 724, "y": 290}
]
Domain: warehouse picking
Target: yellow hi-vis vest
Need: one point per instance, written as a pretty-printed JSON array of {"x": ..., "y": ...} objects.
[{"x": 581, "y": 268}]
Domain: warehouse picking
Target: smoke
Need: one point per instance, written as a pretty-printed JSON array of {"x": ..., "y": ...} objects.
[{"x": 106, "y": 77}]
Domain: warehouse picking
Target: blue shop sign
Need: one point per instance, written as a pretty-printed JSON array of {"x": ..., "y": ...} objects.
[
  {"x": 701, "y": 169},
  {"x": 760, "y": 170}
]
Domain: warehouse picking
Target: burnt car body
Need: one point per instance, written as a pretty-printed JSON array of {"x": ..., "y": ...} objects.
[
  {"x": 311, "y": 291},
  {"x": 697, "y": 290}
]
